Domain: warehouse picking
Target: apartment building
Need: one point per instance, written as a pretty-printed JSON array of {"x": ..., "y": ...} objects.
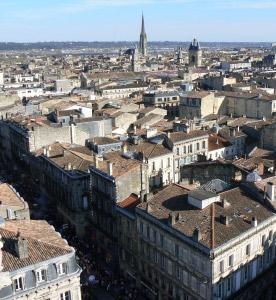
[
  {"x": 186, "y": 147},
  {"x": 197, "y": 105},
  {"x": 36, "y": 263},
  {"x": 168, "y": 100},
  {"x": 203, "y": 244}
]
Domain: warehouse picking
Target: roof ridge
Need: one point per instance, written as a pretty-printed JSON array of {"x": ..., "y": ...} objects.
[{"x": 39, "y": 240}]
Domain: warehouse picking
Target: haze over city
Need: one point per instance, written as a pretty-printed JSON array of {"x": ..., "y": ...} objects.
[{"x": 117, "y": 20}]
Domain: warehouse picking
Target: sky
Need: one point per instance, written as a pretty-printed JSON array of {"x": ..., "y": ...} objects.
[{"x": 120, "y": 20}]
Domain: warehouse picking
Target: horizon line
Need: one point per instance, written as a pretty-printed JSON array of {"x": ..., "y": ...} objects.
[{"x": 130, "y": 41}]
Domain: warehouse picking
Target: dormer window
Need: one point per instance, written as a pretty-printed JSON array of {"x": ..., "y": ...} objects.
[
  {"x": 19, "y": 283},
  {"x": 41, "y": 275},
  {"x": 62, "y": 269}
]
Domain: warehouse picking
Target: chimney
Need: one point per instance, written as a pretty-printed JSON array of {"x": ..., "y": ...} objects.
[
  {"x": 254, "y": 222},
  {"x": 270, "y": 191},
  {"x": 21, "y": 247},
  {"x": 135, "y": 129},
  {"x": 225, "y": 203},
  {"x": 96, "y": 161},
  {"x": 69, "y": 167},
  {"x": 224, "y": 220},
  {"x": 110, "y": 168},
  {"x": 172, "y": 219},
  {"x": 169, "y": 135},
  {"x": 148, "y": 197},
  {"x": 148, "y": 208},
  {"x": 45, "y": 151},
  {"x": 197, "y": 235},
  {"x": 142, "y": 195}
]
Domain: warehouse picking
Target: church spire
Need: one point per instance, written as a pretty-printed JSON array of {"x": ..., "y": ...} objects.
[
  {"x": 143, "y": 31},
  {"x": 143, "y": 39}
]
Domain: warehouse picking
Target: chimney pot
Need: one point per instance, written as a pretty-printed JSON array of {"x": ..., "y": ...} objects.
[
  {"x": 110, "y": 168},
  {"x": 21, "y": 247},
  {"x": 254, "y": 222}
]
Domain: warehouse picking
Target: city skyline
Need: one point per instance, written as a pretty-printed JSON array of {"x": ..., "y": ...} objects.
[{"x": 119, "y": 20}]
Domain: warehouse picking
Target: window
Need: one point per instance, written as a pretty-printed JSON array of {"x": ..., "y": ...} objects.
[
  {"x": 177, "y": 151},
  {"x": 203, "y": 145},
  {"x": 177, "y": 271},
  {"x": 153, "y": 166},
  {"x": 168, "y": 162},
  {"x": 184, "y": 149},
  {"x": 18, "y": 284},
  {"x": 219, "y": 290},
  {"x": 61, "y": 268},
  {"x": 221, "y": 266},
  {"x": 228, "y": 284},
  {"x": 65, "y": 296},
  {"x": 197, "y": 146},
  {"x": 270, "y": 235},
  {"x": 41, "y": 275},
  {"x": 246, "y": 272},
  {"x": 247, "y": 251},
  {"x": 263, "y": 240},
  {"x": 163, "y": 262},
  {"x": 148, "y": 232},
  {"x": 231, "y": 260}
]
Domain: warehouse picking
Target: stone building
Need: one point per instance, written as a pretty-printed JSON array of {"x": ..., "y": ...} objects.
[
  {"x": 159, "y": 159},
  {"x": 36, "y": 263},
  {"x": 186, "y": 147},
  {"x": 12, "y": 206},
  {"x": 201, "y": 104},
  {"x": 21, "y": 136},
  {"x": 168, "y": 100},
  {"x": 101, "y": 145},
  {"x": 62, "y": 170},
  {"x": 203, "y": 244},
  {"x": 202, "y": 172},
  {"x": 217, "y": 82},
  {"x": 114, "y": 177},
  {"x": 252, "y": 105},
  {"x": 127, "y": 236}
]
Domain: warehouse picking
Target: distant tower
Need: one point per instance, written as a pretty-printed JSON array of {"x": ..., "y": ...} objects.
[
  {"x": 180, "y": 59},
  {"x": 135, "y": 60},
  {"x": 143, "y": 45},
  {"x": 195, "y": 54}
]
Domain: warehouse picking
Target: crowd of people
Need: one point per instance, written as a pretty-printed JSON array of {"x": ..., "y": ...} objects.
[{"x": 95, "y": 276}]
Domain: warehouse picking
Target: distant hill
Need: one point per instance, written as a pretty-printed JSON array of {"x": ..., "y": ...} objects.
[{"x": 84, "y": 45}]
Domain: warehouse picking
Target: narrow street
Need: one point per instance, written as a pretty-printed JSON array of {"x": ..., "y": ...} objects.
[{"x": 40, "y": 208}]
